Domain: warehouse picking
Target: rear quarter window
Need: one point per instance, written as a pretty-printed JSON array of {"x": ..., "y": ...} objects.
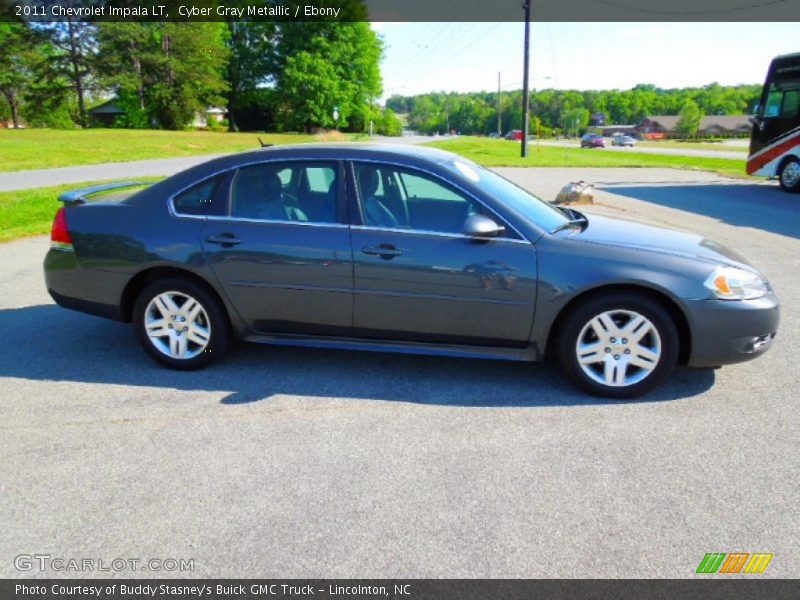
[{"x": 197, "y": 199}]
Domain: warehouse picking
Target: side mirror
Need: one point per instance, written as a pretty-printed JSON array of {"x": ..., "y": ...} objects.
[{"x": 479, "y": 226}]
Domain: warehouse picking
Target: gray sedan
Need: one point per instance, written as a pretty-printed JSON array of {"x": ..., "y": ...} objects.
[
  {"x": 623, "y": 140},
  {"x": 401, "y": 249}
]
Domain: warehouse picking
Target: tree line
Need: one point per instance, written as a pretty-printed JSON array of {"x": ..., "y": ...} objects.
[
  {"x": 270, "y": 76},
  {"x": 566, "y": 111}
]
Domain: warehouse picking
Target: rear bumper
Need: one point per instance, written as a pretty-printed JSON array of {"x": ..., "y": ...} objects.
[
  {"x": 92, "y": 292},
  {"x": 727, "y": 332},
  {"x": 109, "y": 311}
]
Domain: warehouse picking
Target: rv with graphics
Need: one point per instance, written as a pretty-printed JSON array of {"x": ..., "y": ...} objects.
[{"x": 775, "y": 141}]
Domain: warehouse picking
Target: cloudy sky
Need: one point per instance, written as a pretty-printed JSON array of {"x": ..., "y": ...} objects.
[{"x": 423, "y": 57}]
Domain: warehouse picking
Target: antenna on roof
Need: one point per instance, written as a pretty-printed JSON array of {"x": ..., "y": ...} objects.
[{"x": 263, "y": 144}]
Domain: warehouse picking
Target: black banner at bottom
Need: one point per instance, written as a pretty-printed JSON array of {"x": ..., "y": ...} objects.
[{"x": 395, "y": 589}]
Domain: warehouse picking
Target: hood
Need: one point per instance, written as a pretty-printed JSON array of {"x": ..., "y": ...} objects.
[{"x": 631, "y": 234}]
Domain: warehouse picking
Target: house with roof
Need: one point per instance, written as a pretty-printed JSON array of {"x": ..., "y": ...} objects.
[
  {"x": 105, "y": 114},
  {"x": 666, "y": 126}
]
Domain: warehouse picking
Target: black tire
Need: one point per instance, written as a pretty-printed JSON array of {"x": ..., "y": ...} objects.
[
  {"x": 213, "y": 316},
  {"x": 791, "y": 165},
  {"x": 618, "y": 304}
]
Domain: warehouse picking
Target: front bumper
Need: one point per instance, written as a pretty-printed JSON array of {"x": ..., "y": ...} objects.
[{"x": 731, "y": 331}]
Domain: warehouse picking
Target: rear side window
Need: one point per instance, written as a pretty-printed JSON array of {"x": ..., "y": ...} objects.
[
  {"x": 286, "y": 191},
  {"x": 197, "y": 199}
]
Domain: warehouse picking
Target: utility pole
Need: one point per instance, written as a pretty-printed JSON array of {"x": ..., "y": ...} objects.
[
  {"x": 499, "y": 128},
  {"x": 525, "y": 93}
]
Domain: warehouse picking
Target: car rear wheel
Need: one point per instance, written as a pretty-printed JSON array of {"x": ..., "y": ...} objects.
[
  {"x": 618, "y": 346},
  {"x": 789, "y": 176},
  {"x": 180, "y": 324}
]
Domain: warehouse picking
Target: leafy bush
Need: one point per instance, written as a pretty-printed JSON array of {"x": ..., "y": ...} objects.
[{"x": 388, "y": 124}]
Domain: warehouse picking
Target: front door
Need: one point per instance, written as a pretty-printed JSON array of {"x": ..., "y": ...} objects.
[
  {"x": 418, "y": 278},
  {"x": 282, "y": 254}
]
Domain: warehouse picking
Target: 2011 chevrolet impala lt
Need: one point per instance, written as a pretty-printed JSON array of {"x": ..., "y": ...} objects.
[{"x": 405, "y": 250}]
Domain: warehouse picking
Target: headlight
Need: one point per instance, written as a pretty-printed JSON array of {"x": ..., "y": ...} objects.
[{"x": 730, "y": 283}]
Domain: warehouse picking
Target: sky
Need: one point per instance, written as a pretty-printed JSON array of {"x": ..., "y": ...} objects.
[{"x": 464, "y": 57}]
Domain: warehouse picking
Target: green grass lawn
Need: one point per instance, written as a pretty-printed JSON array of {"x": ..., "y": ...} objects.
[
  {"x": 45, "y": 148},
  {"x": 502, "y": 153},
  {"x": 30, "y": 212}
]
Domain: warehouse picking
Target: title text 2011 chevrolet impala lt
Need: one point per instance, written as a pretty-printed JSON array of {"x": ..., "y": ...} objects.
[{"x": 406, "y": 250}]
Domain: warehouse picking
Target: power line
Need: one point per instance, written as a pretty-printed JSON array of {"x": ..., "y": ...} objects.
[{"x": 447, "y": 59}]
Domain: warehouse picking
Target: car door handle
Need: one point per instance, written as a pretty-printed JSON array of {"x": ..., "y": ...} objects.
[
  {"x": 386, "y": 251},
  {"x": 224, "y": 239}
]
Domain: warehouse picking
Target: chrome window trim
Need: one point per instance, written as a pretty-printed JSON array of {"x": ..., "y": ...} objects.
[
  {"x": 467, "y": 193},
  {"x": 439, "y": 234},
  {"x": 352, "y": 160},
  {"x": 276, "y": 222}
]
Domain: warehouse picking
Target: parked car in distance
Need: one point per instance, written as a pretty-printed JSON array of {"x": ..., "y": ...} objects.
[
  {"x": 592, "y": 140},
  {"x": 401, "y": 249},
  {"x": 514, "y": 134},
  {"x": 623, "y": 140}
]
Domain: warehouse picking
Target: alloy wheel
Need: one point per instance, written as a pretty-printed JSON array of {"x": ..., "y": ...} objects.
[
  {"x": 177, "y": 325},
  {"x": 618, "y": 348}
]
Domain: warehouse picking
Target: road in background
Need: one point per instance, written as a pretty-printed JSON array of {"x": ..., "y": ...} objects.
[
  {"x": 714, "y": 153},
  {"x": 157, "y": 167},
  {"x": 290, "y": 462},
  {"x": 162, "y": 167}
]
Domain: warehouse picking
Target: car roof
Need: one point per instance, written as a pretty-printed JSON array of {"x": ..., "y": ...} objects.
[
  {"x": 393, "y": 153},
  {"x": 341, "y": 151}
]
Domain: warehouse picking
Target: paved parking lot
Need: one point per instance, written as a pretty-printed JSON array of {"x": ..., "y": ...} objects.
[{"x": 308, "y": 463}]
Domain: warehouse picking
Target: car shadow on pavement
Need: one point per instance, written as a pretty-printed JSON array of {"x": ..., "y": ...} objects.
[
  {"x": 49, "y": 343},
  {"x": 744, "y": 205}
]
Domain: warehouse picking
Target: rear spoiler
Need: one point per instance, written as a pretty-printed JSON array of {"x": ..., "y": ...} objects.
[{"x": 81, "y": 195}]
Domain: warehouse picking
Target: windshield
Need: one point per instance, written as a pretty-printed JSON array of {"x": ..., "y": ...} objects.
[{"x": 536, "y": 210}]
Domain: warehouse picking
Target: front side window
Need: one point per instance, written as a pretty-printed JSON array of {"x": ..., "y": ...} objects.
[
  {"x": 291, "y": 192},
  {"x": 541, "y": 213},
  {"x": 397, "y": 198}
]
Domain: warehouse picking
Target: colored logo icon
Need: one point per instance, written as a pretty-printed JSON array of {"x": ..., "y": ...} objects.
[{"x": 735, "y": 562}]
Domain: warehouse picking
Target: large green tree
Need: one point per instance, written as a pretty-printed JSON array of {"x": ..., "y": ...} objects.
[
  {"x": 18, "y": 61},
  {"x": 75, "y": 46},
  {"x": 164, "y": 72},
  {"x": 253, "y": 47},
  {"x": 188, "y": 71},
  {"x": 323, "y": 66},
  {"x": 124, "y": 50},
  {"x": 689, "y": 121}
]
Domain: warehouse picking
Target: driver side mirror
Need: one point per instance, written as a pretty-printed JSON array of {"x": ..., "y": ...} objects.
[{"x": 479, "y": 226}]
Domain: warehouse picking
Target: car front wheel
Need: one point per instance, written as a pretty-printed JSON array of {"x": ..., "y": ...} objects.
[
  {"x": 180, "y": 324},
  {"x": 618, "y": 346},
  {"x": 789, "y": 176}
]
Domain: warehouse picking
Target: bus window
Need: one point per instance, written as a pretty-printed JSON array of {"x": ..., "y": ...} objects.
[
  {"x": 791, "y": 99},
  {"x": 783, "y": 99},
  {"x": 774, "y": 100}
]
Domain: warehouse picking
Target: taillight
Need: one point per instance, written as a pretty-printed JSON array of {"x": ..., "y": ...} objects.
[{"x": 60, "y": 238}]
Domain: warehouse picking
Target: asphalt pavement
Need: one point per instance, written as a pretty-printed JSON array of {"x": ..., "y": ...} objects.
[{"x": 287, "y": 462}]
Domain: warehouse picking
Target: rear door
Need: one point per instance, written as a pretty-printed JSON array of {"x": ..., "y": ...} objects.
[
  {"x": 418, "y": 278},
  {"x": 283, "y": 269}
]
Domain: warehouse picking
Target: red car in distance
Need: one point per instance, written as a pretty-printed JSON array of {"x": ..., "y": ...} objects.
[{"x": 593, "y": 140}]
